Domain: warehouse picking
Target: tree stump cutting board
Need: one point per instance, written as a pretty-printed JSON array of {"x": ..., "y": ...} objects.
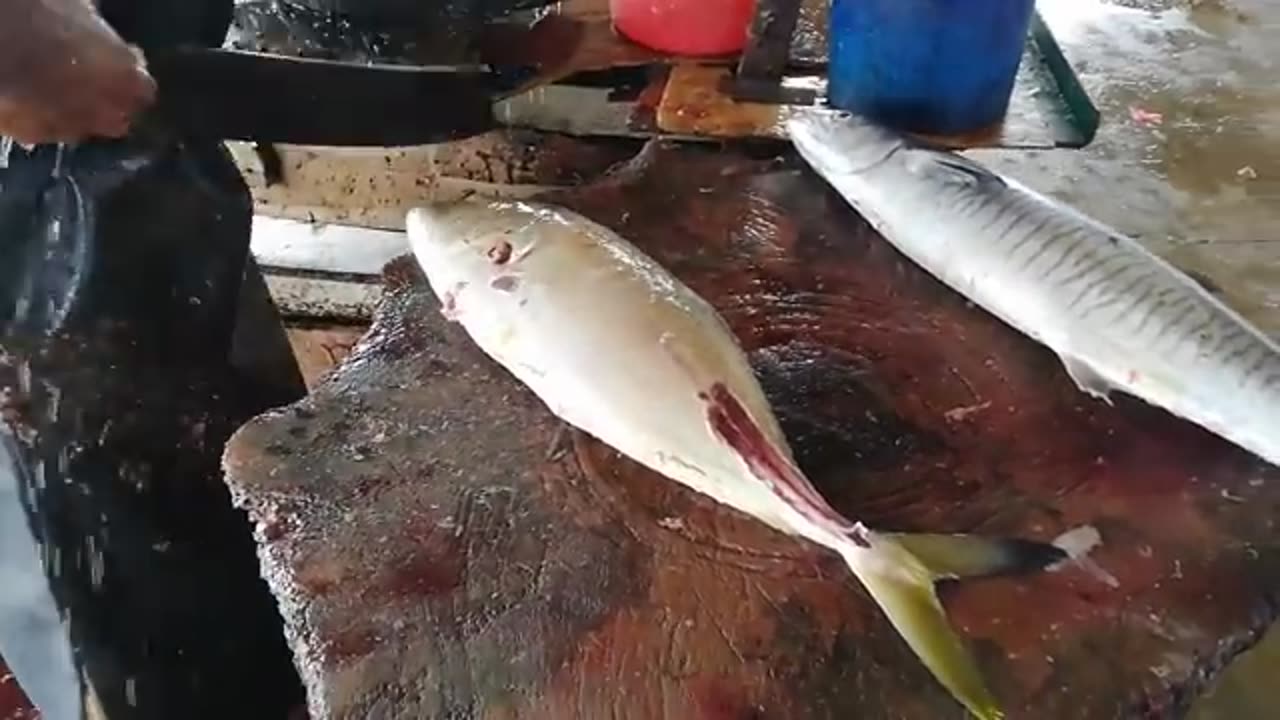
[{"x": 443, "y": 547}]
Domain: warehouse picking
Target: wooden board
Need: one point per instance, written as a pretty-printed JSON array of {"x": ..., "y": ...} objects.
[
  {"x": 696, "y": 102},
  {"x": 441, "y": 546},
  {"x": 374, "y": 187},
  {"x": 14, "y": 704},
  {"x": 319, "y": 348}
]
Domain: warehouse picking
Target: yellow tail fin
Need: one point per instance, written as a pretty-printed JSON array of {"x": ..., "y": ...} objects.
[{"x": 900, "y": 572}]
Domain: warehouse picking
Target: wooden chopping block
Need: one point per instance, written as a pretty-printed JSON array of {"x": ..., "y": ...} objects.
[{"x": 441, "y": 546}]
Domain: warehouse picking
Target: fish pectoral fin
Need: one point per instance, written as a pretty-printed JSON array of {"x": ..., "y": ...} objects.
[
  {"x": 949, "y": 167},
  {"x": 1087, "y": 379},
  {"x": 901, "y": 572},
  {"x": 1207, "y": 283}
]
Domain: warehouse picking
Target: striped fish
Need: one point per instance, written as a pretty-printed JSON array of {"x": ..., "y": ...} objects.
[
  {"x": 1119, "y": 317},
  {"x": 618, "y": 347}
]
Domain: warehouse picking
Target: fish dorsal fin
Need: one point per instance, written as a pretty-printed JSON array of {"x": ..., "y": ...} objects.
[{"x": 950, "y": 167}]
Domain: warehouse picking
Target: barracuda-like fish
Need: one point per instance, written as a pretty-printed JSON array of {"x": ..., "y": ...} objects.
[
  {"x": 1118, "y": 316},
  {"x": 618, "y": 347}
]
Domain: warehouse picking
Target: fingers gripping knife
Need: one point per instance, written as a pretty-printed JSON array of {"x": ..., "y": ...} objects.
[{"x": 104, "y": 614}]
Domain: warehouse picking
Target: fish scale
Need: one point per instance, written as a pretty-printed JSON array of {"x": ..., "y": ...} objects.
[{"x": 1120, "y": 317}]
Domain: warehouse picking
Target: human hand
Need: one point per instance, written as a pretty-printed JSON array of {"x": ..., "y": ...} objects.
[{"x": 65, "y": 75}]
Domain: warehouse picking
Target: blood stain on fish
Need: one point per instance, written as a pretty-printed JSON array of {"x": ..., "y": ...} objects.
[
  {"x": 733, "y": 424},
  {"x": 505, "y": 283},
  {"x": 500, "y": 253},
  {"x": 449, "y": 301}
]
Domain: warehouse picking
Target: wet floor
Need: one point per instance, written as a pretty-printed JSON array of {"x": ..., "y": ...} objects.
[{"x": 1187, "y": 159}]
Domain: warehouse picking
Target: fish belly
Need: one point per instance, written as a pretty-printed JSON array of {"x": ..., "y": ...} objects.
[{"x": 632, "y": 368}]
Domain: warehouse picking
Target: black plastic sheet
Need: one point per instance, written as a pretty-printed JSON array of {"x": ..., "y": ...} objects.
[{"x": 121, "y": 268}]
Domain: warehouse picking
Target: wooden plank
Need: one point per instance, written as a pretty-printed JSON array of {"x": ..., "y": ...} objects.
[
  {"x": 320, "y": 348},
  {"x": 697, "y": 101},
  {"x": 374, "y": 187},
  {"x": 14, "y": 704}
]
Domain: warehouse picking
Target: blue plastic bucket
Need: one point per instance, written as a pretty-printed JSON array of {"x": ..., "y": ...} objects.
[{"x": 929, "y": 66}]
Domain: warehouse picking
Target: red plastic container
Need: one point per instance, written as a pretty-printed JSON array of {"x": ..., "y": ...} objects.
[{"x": 685, "y": 27}]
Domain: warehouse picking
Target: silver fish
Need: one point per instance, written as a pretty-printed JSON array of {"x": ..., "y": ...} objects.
[
  {"x": 615, "y": 345},
  {"x": 1118, "y": 316}
]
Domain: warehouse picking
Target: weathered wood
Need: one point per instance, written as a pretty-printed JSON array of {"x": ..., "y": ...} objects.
[
  {"x": 14, "y": 705},
  {"x": 441, "y": 546},
  {"x": 319, "y": 349},
  {"x": 375, "y": 186}
]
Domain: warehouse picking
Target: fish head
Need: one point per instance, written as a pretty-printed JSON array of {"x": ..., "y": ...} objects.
[
  {"x": 841, "y": 143},
  {"x": 471, "y": 241},
  {"x": 474, "y": 255}
]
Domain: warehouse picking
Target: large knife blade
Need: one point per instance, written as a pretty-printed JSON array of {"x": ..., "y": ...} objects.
[{"x": 237, "y": 95}]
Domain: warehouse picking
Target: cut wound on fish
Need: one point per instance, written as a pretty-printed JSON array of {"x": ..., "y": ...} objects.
[
  {"x": 500, "y": 253},
  {"x": 449, "y": 302},
  {"x": 731, "y": 422}
]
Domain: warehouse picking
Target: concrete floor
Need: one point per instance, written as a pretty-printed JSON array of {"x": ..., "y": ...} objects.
[{"x": 1200, "y": 184}]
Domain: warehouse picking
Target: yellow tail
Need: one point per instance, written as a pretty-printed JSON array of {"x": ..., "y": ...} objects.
[{"x": 900, "y": 572}]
